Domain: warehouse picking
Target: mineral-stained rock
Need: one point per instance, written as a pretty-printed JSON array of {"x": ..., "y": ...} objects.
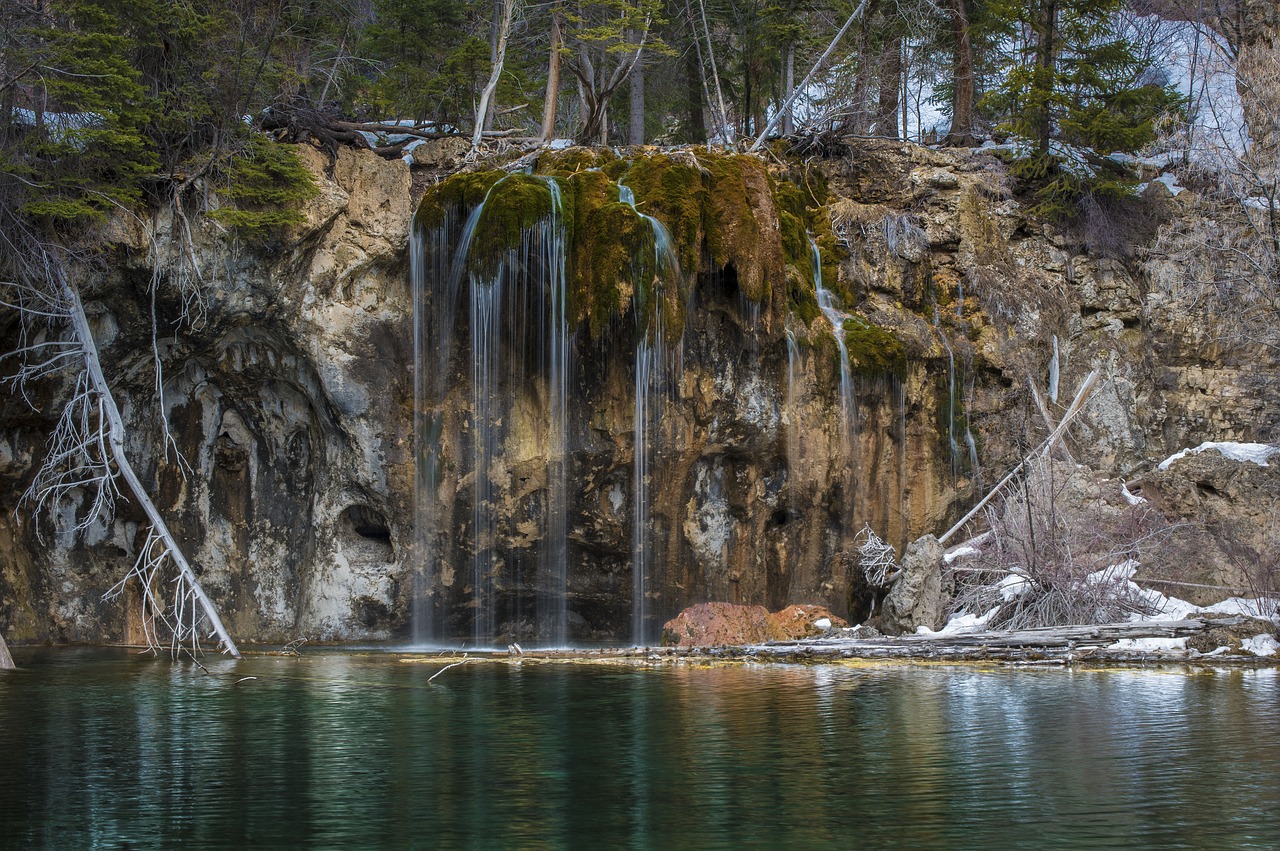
[
  {"x": 915, "y": 599},
  {"x": 719, "y": 624},
  {"x": 804, "y": 621}
]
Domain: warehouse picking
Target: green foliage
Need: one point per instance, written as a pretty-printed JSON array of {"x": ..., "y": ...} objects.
[
  {"x": 1077, "y": 80},
  {"x": 430, "y": 65},
  {"x": 266, "y": 186},
  {"x": 81, "y": 150}
]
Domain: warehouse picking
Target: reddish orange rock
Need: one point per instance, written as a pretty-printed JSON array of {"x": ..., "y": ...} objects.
[
  {"x": 718, "y": 624},
  {"x": 799, "y": 621}
]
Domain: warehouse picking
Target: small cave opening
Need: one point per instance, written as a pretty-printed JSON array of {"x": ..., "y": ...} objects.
[{"x": 368, "y": 524}]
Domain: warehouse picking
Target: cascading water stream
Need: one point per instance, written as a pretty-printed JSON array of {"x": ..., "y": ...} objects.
[
  {"x": 436, "y": 255},
  {"x": 651, "y": 382},
  {"x": 517, "y": 304},
  {"x": 795, "y": 449},
  {"x": 830, "y": 307}
]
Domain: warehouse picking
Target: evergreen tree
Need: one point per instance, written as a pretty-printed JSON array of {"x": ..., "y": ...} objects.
[{"x": 1072, "y": 80}]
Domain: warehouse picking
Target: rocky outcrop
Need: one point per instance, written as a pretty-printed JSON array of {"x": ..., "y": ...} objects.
[
  {"x": 1226, "y": 534},
  {"x": 804, "y": 621},
  {"x": 733, "y": 625},
  {"x": 287, "y": 469},
  {"x": 291, "y": 400}
]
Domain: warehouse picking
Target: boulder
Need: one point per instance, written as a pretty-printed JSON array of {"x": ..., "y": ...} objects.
[
  {"x": 915, "y": 598},
  {"x": 802, "y": 621},
  {"x": 718, "y": 624}
]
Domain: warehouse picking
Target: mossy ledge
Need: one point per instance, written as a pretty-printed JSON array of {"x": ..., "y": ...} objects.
[
  {"x": 717, "y": 207},
  {"x": 873, "y": 349}
]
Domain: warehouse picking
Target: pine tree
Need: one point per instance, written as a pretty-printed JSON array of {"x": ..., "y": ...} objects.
[{"x": 1072, "y": 85}]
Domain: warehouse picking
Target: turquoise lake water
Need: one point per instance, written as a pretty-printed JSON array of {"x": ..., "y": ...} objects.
[{"x": 104, "y": 749}]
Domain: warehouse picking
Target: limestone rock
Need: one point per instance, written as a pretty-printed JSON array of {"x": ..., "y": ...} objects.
[
  {"x": 804, "y": 621},
  {"x": 1233, "y": 506},
  {"x": 718, "y": 624},
  {"x": 915, "y": 598}
]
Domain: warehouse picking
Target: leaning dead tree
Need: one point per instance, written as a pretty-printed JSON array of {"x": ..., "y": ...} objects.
[
  {"x": 6, "y": 661},
  {"x": 87, "y": 463}
]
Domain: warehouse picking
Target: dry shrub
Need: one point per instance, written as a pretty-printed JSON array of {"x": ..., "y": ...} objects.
[{"x": 1059, "y": 555}]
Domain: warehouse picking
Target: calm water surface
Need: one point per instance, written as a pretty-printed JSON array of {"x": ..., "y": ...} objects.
[{"x": 103, "y": 749}]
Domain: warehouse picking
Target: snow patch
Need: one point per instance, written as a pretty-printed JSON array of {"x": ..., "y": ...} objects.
[
  {"x": 1129, "y": 496},
  {"x": 1256, "y": 453},
  {"x": 960, "y": 623},
  {"x": 969, "y": 548},
  {"x": 1261, "y": 645},
  {"x": 1012, "y": 587},
  {"x": 1150, "y": 645}
]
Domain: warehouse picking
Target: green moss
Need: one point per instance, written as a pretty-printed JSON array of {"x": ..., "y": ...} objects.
[
  {"x": 801, "y": 218},
  {"x": 673, "y": 192},
  {"x": 608, "y": 271},
  {"x": 462, "y": 191},
  {"x": 873, "y": 349},
  {"x": 518, "y": 204},
  {"x": 573, "y": 160}
]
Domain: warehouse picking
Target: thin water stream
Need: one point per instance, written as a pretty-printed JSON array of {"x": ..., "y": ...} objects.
[{"x": 104, "y": 749}]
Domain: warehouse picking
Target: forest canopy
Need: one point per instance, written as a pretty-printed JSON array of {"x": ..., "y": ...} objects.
[{"x": 107, "y": 102}]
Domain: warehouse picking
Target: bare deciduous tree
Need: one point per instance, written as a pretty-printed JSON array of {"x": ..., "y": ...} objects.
[{"x": 87, "y": 461}]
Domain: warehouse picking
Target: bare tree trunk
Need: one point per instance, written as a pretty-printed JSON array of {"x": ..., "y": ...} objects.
[
  {"x": 699, "y": 97},
  {"x": 486, "y": 97},
  {"x": 115, "y": 441},
  {"x": 553, "y": 79},
  {"x": 857, "y": 13},
  {"x": 789, "y": 87},
  {"x": 715, "y": 74},
  {"x": 961, "y": 133},
  {"x": 495, "y": 39},
  {"x": 6, "y": 661},
  {"x": 890, "y": 88},
  {"x": 636, "y": 78}
]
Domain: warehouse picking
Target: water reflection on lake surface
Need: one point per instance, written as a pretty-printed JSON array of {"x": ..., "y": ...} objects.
[{"x": 100, "y": 749}]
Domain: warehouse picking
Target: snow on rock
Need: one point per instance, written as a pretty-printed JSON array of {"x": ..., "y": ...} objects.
[
  {"x": 1116, "y": 573},
  {"x": 1259, "y": 203},
  {"x": 1261, "y": 645},
  {"x": 1256, "y": 453},
  {"x": 960, "y": 623},
  {"x": 971, "y": 547},
  {"x": 1012, "y": 587},
  {"x": 1150, "y": 645},
  {"x": 1129, "y": 496}
]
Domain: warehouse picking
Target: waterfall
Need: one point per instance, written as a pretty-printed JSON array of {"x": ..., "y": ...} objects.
[
  {"x": 830, "y": 307},
  {"x": 554, "y": 598},
  {"x": 795, "y": 450},
  {"x": 436, "y": 255},
  {"x": 517, "y": 320},
  {"x": 651, "y": 384}
]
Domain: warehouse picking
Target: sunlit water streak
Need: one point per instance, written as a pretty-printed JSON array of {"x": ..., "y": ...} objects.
[{"x": 107, "y": 750}]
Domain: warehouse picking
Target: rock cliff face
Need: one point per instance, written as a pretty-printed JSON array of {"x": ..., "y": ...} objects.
[{"x": 291, "y": 401}]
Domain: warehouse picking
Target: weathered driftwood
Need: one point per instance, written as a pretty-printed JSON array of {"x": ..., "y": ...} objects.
[
  {"x": 1061, "y": 643},
  {"x": 115, "y": 443}
]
